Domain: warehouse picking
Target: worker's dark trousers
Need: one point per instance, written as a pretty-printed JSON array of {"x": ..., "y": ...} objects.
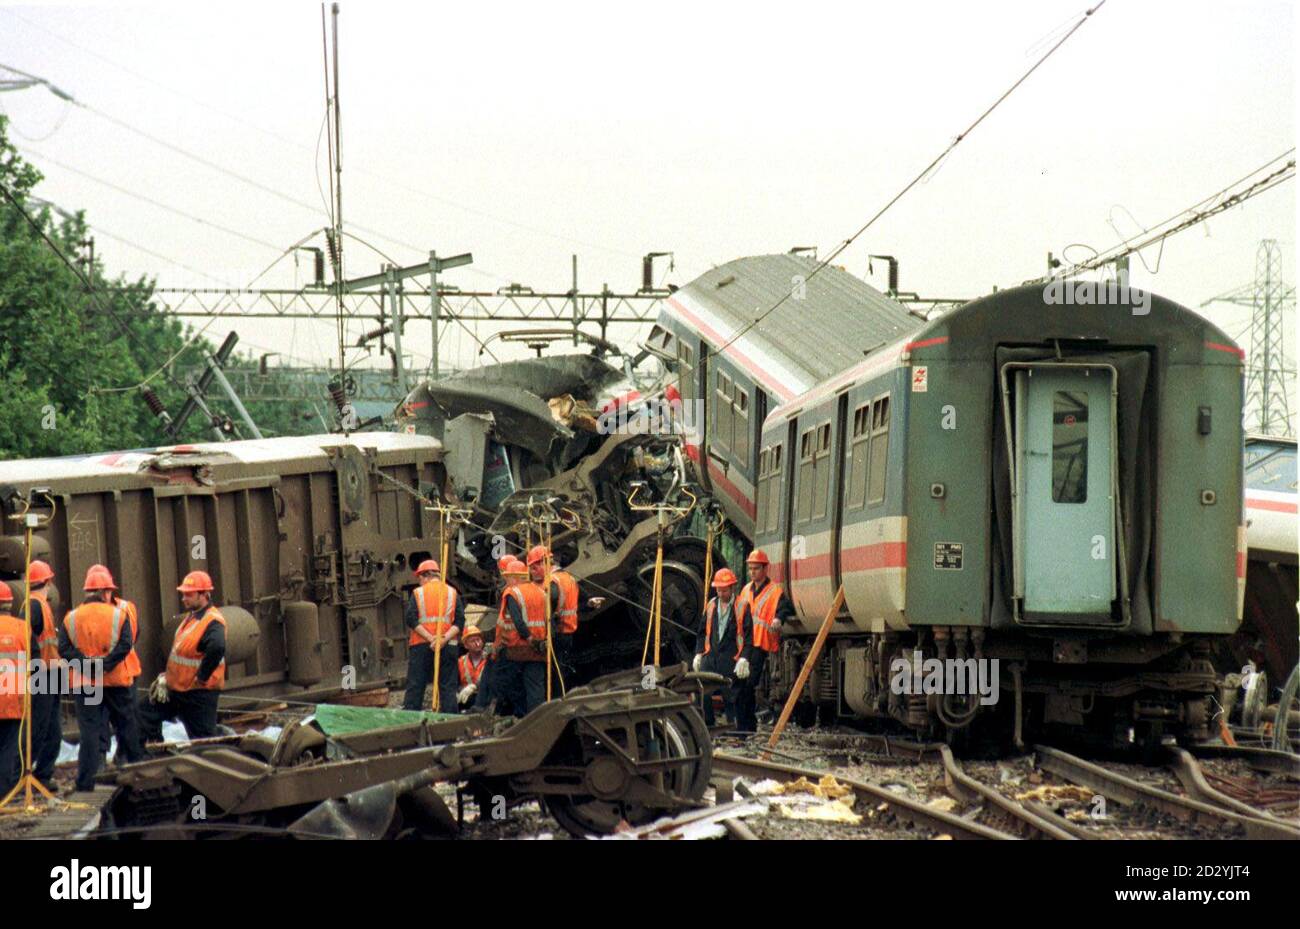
[
  {"x": 508, "y": 685},
  {"x": 9, "y": 766},
  {"x": 562, "y": 645},
  {"x": 196, "y": 709},
  {"x": 715, "y": 663},
  {"x": 419, "y": 672},
  {"x": 487, "y": 690},
  {"x": 746, "y": 709},
  {"x": 534, "y": 675},
  {"x": 47, "y": 735},
  {"x": 93, "y": 719},
  {"x": 106, "y": 732}
]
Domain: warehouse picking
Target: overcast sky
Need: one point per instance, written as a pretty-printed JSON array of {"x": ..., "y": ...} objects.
[{"x": 528, "y": 132}]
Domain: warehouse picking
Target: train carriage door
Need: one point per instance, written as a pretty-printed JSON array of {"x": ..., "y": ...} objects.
[
  {"x": 837, "y": 487},
  {"x": 1064, "y": 489}
]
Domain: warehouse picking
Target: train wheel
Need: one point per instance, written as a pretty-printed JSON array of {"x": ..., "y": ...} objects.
[
  {"x": 683, "y": 592},
  {"x": 617, "y": 794}
]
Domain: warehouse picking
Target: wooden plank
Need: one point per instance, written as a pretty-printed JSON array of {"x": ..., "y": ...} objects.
[{"x": 806, "y": 671}]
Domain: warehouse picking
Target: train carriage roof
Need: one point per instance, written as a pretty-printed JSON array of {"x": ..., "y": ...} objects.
[
  {"x": 1024, "y": 316},
  {"x": 215, "y": 461},
  {"x": 802, "y": 342}
]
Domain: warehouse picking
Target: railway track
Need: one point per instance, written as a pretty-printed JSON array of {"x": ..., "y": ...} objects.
[
  {"x": 940, "y": 822},
  {"x": 1179, "y": 800},
  {"x": 1203, "y": 806}
]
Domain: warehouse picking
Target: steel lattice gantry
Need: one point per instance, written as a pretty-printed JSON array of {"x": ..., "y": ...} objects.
[{"x": 1268, "y": 372}]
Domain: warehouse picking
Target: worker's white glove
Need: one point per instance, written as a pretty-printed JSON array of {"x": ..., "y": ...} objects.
[
  {"x": 158, "y": 689},
  {"x": 466, "y": 693},
  {"x": 695, "y": 662},
  {"x": 742, "y": 669}
]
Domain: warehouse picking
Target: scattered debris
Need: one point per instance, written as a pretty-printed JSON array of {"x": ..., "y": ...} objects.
[{"x": 1057, "y": 794}]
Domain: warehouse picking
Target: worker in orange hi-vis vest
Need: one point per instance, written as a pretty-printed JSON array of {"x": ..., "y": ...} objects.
[
  {"x": 521, "y": 641},
  {"x": 98, "y": 631},
  {"x": 471, "y": 666},
  {"x": 720, "y": 644},
  {"x": 564, "y": 605},
  {"x": 764, "y": 605},
  {"x": 16, "y": 644},
  {"x": 191, "y": 686},
  {"x": 435, "y": 614},
  {"x": 47, "y": 722},
  {"x": 132, "y": 665}
]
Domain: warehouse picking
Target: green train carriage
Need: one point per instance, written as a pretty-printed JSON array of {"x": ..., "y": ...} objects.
[{"x": 1057, "y": 487}]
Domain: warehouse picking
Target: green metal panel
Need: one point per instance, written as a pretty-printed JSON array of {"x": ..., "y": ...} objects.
[
  {"x": 1064, "y": 446},
  {"x": 1196, "y": 577},
  {"x": 949, "y": 429}
]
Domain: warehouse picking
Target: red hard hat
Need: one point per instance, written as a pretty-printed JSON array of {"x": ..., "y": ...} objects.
[
  {"x": 516, "y": 567},
  {"x": 428, "y": 566},
  {"x": 39, "y": 571},
  {"x": 537, "y": 553},
  {"x": 195, "y": 582},
  {"x": 757, "y": 556},
  {"x": 6, "y": 595},
  {"x": 99, "y": 577},
  {"x": 504, "y": 562},
  {"x": 724, "y": 577}
]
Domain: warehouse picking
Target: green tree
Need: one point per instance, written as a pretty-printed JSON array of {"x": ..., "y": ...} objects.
[{"x": 73, "y": 359}]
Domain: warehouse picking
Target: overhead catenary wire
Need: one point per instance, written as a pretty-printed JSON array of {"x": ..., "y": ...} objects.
[
  {"x": 145, "y": 198},
  {"x": 1218, "y": 202},
  {"x": 916, "y": 180},
  {"x": 236, "y": 175},
  {"x": 204, "y": 328},
  {"x": 401, "y": 185},
  {"x": 91, "y": 290}
]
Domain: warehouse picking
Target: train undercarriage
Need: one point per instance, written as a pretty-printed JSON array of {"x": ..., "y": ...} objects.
[{"x": 963, "y": 685}]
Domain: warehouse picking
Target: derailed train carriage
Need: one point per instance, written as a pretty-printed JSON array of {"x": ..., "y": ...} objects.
[
  {"x": 1055, "y": 487},
  {"x": 310, "y": 543}
]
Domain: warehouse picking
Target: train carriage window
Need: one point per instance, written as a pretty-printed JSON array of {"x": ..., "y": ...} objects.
[
  {"x": 774, "y": 489},
  {"x": 822, "y": 471},
  {"x": 1270, "y": 466},
  {"x": 1069, "y": 447},
  {"x": 879, "y": 450},
  {"x": 722, "y": 415},
  {"x": 857, "y": 494},
  {"x": 804, "y": 503},
  {"x": 685, "y": 371},
  {"x": 740, "y": 426}
]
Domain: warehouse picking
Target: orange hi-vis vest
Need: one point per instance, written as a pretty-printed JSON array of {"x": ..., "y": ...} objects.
[
  {"x": 471, "y": 671},
  {"x": 95, "y": 628},
  {"x": 568, "y": 615},
  {"x": 762, "y": 612},
  {"x": 709, "y": 612},
  {"x": 532, "y": 603},
  {"x": 185, "y": 658},
  {"x": 436, "y": 603},
  {"x": 505, "y": 635},
  {"x": 48, "y": 640},
  {"x": 13, "y": 666},
  {"x": 132, "y": 660}
]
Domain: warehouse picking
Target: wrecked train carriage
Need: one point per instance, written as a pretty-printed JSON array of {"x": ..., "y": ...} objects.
[
  {"x": 309, "y": 542},
  {"x": 539, "y": 430}
]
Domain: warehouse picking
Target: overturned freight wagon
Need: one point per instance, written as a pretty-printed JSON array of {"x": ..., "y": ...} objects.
[{"x": 309, "y": 542}]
